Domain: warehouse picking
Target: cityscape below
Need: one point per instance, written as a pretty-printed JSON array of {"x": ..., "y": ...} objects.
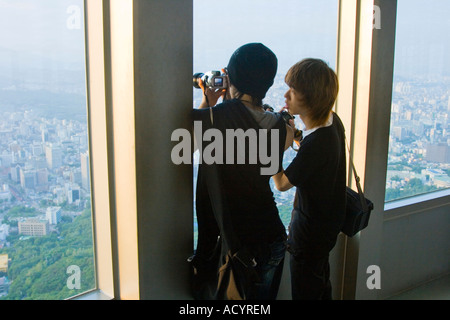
[
  {"x": 44, "y": 196},
  {"x": 45, "y": 200},
  {"x": 45, "y": 184}
]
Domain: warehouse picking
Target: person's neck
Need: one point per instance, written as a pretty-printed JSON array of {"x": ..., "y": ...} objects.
[
  {"x": 307, "y": 122},
  {"x": 248, "y": 101}
]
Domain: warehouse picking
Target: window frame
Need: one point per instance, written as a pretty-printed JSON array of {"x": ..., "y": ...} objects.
[
  {"x": 364, "y": 105},
  {"x": 120, "y": 87},
  {"x": 98, "y": 163},
  {"x": 98, "y": 151},
  {"x": 369, "y": 66},
  {"x": 435, "y": 198}
]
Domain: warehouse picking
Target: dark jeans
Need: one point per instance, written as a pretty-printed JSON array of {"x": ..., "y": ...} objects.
[
  {"x": 310, "y": 278},
  {"x": 270, "y": 260}
]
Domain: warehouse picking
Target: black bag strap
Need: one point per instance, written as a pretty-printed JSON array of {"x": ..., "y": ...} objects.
[
  {"x": 355, "y": 174},
  {"x": 357, "y": 179}
]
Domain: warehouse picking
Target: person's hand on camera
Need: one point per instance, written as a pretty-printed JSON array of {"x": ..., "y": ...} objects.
[
  {"x": 210, "y": 96},
  {"x": 298, "y": 134}
]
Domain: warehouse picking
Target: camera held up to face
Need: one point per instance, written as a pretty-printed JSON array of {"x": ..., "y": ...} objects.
[{"x": 212, "y": 80}]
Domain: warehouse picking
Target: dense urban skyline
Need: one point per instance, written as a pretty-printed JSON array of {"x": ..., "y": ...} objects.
[{"x": 44, "y": 181}]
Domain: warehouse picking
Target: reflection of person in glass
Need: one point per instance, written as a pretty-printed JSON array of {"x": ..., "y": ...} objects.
[
  {"x": 243, "y": 201},
  {"x": 319, "y": 173}
]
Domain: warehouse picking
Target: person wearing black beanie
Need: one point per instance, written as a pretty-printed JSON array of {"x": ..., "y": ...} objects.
[
  {"x": 252, "y": 69},
  {"x": 234, "y": 202}
]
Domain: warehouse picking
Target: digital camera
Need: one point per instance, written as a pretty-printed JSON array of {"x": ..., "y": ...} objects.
[
  {"x": 286, "y": 115},
  {"x": 211, "y": 79}
]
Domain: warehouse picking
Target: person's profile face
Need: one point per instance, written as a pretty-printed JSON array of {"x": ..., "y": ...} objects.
[{"x": 295, "y": 102}]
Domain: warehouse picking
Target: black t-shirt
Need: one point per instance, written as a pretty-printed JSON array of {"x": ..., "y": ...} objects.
[
  {"x": 319, "y": 173},
  {"x": 244, "y": 194}
]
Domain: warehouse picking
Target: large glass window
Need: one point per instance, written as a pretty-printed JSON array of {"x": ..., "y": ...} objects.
[
  {"x": 419, "y": 148},
  {"x": 292, "y": 29},
  {"x": 46, "y": 244}
]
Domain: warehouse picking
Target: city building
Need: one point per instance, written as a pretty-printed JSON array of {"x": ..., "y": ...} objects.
[
  {"x": 3, "y": 263},
  {"x": 53, "y": 215},
  {"x": 73, "y": 193},
  {"x": 399, "y": 133},
  {"x": 135, "y": 181},
  {"x": 5, "y": 194},
  {"x": 44, "y": 136},
  {"x": 75, "y": 176},
  {"x": 33, "y": 227},
  {"x": 42, "y": 177},
  {"x": 4, "y": 231},
  {"x": 27, "y": 178},
  {"x": 54, "y": 156},
  {"x": 438, "y": 153},
  {"x": 15, "y": 173},
  {"x": 59, "y": 195},
  {"x": 85, "y": 175}
]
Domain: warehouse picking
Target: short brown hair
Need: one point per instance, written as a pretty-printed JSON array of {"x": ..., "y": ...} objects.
[{"x": 319, "y": 85}]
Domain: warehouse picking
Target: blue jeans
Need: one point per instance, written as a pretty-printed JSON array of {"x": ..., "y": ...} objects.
[{"x": 270, "y": 261}]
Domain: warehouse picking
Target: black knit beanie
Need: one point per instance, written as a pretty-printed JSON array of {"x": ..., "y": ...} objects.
[{"x": 252, "y": 69}]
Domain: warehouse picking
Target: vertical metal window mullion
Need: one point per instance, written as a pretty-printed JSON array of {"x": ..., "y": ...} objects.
[{"x": 96, "y": 78}]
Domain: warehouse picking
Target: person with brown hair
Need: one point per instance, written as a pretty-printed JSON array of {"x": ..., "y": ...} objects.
[{"x": 319, "y": 173}]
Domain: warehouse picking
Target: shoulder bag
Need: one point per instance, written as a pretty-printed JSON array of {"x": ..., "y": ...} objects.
[{"x": 358, "y": 207}]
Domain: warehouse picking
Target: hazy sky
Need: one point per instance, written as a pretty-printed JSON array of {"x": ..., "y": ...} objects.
[
  {"x": 293, "y": 29},
  {"x": 36, "y": 32},
  {"x": 423, "y": 38},
  {"x": 41, "y": 29}
]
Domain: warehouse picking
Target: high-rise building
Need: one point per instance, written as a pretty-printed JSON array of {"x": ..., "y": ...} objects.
[
  {"x": 85, "y": 176},
  {"x": 75, "y": 176},
  {"x": 438, "y": 153},
  {"x": 15, "y": 173},
  {"x": 54, "y": 156},
  {"x": 53, "y": 215},
  {"x": 399, "y": 132},
  {"x": 37, "y": 149},
  {"x": 73, "y": 195},
  {"x": 42, "y": 176},
  {"x": 27, "y": 178},
  {"x": 44, "y": 135}
]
